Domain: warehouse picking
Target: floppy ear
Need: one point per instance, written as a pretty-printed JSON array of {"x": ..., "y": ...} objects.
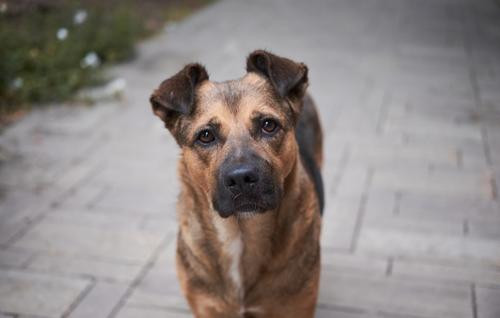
[
  {"x": 176, "y": 96},
  {"x": 287, "y": 77}
]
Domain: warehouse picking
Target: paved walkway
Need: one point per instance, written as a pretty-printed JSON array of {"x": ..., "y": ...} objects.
[{"x": 409, "y": 94}]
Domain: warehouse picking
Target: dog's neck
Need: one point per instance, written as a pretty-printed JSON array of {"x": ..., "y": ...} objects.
[{"x": 239, "y": 248}]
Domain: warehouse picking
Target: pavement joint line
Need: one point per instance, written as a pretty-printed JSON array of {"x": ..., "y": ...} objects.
[
  {"x": 29, "y": 261},
  {"x": 386, "y": 314},
  {"x": 154, "y": 306},
  {"x": 465, "y": 227},
  {"x": 344, "y": 159},
  {"x": 383, "y": 113},
  {"x": 79, "y": 298},
  {"x": 339, "y": 250},
  {"x": 68, "y": 275},
  {"x": 98, "y": 143},
  {"x": 390, "y": 266},
  {"x": 397, "y": 203},
  {"x": 493, "y": 187},
  {"x": 29, "y": 225},
  {"x": 16, "y": 315},
  {"x": 341, "y": 308},
  {"x": 93, "y": 202},
  {"x": 361, "y": 210},
  {"x": 64, "y": 195},
  {"x": 443, "y": 262},
  {"x": 475, "y": 86},
  {"x": 473, "y": 300},
  {"x": 416, "y": 278},
  {"x": 141, "y": 275},
  {"x": 460, "y": 158},
  {"x": 486, "y": 148}
]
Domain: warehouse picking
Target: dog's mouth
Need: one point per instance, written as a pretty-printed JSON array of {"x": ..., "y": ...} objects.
[{"x": 247, "y": 206}]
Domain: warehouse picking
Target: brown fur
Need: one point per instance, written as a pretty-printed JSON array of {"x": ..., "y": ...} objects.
[{"x": 279, "y": 264}]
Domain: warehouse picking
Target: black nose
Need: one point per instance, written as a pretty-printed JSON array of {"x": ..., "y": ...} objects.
[{"x": 241, "y": 178}]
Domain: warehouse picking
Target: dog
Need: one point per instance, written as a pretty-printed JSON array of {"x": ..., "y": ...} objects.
[{"x": 252, "y": 196}]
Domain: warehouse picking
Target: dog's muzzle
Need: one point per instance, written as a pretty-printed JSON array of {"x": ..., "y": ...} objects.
[{"x": 246, "y": 186}]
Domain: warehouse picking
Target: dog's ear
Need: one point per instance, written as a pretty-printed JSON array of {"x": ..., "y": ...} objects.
[
  {"x": 176, "y": 96},
  {"x": 288, "y": 77}
]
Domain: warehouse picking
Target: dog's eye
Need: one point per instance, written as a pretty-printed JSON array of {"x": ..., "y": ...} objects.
[
  {"x": 206, "y": 136},
  {"x": 269, "y": 125}
]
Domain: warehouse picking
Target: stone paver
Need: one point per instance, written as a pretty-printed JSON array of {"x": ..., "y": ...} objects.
[
  {"x": 140, "y": 312},
  {"x": 70, "y": 240},
  {"x": 100, "y": 300},
  {"x": 408, "y": 96},
  {"x": 41, "y": 295},
  {"x": 488, "y": 304}
]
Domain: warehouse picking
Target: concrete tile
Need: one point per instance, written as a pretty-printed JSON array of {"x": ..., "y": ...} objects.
[
  {"x": 327, "y": 313},
  {"x": 38, "y": 295},
  {"x": 395, "y": 296},
  {"x": 408, "y": 224},
  {"x": 13, "y": 225},
  {"x": 140, "y": 312},
  {"x": 132, "y": 246},
  {"x": 437, "y": 207},
  {"x": 339, "y": 223},
  {"x": 137, "y": 199},
  {"x": 109, "y": 271},
  {"x": 444, "y": 183},
  {"x": 463, "y": 273},
  {"x": 353, "y": 263},
  {"x": 14, "y": 259},
  {"x": 409, "y": 243},
  {"x": 82, "y": 198},
  {"x": 487, "y": 229},
  {"x": 160, "y": 287},
  {"x": 488, "y": 305},
  {"x": 94, "y": 219},
  {"x": 352, "y": 182},
  {"x": 376, "y": 155},
  {"x": 99, "y": 301}
]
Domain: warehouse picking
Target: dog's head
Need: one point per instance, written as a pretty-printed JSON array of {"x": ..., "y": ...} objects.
[{"x": 237, "y": 137}]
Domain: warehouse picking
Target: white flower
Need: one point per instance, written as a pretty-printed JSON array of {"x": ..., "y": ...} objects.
[
  {"x": 80, "y": 16},
  {"x": 115, "y": 87},
  {"x": 3, "y": 7},
  {"x": 62, "y": 34},
  {"x": 90, "y": 60},
  {"x": 17, "y": 83}
]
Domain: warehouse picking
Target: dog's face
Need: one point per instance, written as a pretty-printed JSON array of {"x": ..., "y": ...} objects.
[{"x": 237, "y": 137}]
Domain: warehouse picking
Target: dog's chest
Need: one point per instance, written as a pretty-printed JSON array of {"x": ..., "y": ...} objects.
[
  {"x": 232, "y": 249},
  {"x": 234, "y": 252}
]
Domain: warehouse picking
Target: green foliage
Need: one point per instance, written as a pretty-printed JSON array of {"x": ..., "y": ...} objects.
[{"x": 36, "y": 66}]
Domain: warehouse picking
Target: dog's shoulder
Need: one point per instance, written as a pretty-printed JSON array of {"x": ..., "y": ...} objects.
[{"x": 309, "y": 138}]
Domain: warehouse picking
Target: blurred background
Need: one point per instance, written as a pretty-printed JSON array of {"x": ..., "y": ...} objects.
[{"x": 409, "y": 98}]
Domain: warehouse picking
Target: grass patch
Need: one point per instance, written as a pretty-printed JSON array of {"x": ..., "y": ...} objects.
[{"x": 50, "y": 49}]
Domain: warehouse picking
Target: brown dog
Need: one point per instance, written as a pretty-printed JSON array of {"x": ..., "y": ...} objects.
[{"x": 249, "y": 209}]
